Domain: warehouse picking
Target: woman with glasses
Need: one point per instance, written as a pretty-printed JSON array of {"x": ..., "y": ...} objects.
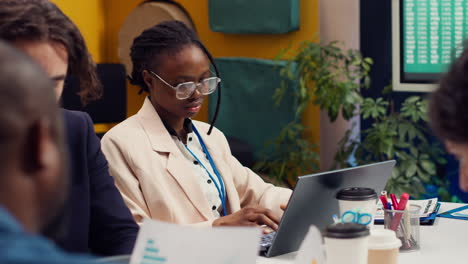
[{"x": 166, "y": 165}]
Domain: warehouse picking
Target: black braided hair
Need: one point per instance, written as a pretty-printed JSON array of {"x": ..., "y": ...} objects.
[{"x": 168, "y": 37}]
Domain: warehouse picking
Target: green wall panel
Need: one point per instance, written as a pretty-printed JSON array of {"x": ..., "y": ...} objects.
[{"x": 247, "y": 109}]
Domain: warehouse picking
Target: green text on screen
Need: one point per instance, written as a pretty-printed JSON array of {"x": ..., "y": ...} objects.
[{"x": 433, "y": 33}]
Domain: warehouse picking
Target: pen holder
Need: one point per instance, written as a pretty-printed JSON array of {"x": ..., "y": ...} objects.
[{"x": 405, "y": 223}]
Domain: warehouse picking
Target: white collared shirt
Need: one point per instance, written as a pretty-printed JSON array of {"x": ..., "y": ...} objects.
[{"x": 206, "y": 183}]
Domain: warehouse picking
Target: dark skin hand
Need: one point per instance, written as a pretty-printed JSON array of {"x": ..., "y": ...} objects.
[
  {"x": 251, "y": 216},
  {"x": 283, "y": 206}
]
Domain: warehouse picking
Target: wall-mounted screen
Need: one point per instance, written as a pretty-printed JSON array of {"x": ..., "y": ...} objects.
[{"x": 427, "y": 36}]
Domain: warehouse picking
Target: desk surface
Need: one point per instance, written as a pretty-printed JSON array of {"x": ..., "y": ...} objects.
[{"x": 444, "y": 242}]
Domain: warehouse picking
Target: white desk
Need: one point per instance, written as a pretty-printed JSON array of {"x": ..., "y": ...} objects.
[{"x": 446, "y": 242}]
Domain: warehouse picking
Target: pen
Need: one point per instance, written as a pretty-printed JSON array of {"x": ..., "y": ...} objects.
[
  {"x": 404, "y": 234},
  {"x": 403, "y": 201},
  {"x": 401, "y": 207},
  {"x": 384, "y": 193},
  {"x": 384, "y": 201},
  {"x": 390, "y": 214},
  {"x": 394, "y": 201}
]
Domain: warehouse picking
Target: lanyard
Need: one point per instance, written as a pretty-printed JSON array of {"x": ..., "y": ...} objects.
[{"x": 220, "y": 187}]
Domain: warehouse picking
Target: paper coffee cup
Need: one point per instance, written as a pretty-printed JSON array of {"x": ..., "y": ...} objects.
[
  {"x": 358, "y": 199},
  {"x": 346, "y": 243},
  {"x": 383, "y": 247}
]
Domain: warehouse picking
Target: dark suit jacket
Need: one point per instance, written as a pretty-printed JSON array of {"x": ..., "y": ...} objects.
[{"x": 99, "y": 222}]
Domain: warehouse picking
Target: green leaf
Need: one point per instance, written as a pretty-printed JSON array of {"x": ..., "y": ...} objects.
[
  {"x": 387, "y": 89},
  {"x": 369, "y": 61},
  {"x": 414, "y": 151},
  {"x": 428, "y": 166},
  {"x": 403, "y": 131},
  {"x": 411, "y": 170},
  {"x": 411, "y": 133},
  {"x": 367, "y": 82},
  {"x": 425, "y": 177},
  {"x": 412, "y": 99}
]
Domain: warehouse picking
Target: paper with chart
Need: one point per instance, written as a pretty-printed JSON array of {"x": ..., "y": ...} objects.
[
  {"x": 160, "y": 242},
  {"x": 311, "y": 250}
]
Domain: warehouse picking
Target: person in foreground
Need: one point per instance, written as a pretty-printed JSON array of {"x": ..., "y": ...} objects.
[
  {"x": 96, "y": 219},
  {"x": 171, "y": 168},
  {"x": 448, "y": 114},
  {"x": 32, "y": 175}
]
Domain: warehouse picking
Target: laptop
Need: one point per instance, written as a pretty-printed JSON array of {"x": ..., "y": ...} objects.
[{"x": 313, "y": 202}]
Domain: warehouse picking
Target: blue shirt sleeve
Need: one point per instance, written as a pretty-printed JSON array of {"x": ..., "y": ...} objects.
[{"x": 21, "y": 248}]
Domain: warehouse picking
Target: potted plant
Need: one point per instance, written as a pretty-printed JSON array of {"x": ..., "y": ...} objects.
[
  {"x": 332, "y": 78},
  {"x": 328, "y": 76},
  {"x": 401, "y": 133}
]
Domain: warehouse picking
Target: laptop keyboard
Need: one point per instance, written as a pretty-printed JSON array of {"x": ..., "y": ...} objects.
[{"x": 266, "y": 241}]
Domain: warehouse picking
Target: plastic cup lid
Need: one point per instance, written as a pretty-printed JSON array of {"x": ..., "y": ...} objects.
[
  {"x": 356, "y": 194},
  {"x": 346, "y": 230},
  {"x": 383, "y": 239}
]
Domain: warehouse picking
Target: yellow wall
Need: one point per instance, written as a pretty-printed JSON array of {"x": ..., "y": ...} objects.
[
  {"x": 88, "y": 15},
  {"x": 100, "y": 22},
  {"x": 116, "y": 13}
]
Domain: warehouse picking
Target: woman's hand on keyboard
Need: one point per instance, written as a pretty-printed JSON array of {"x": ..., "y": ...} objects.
[{"x": 249, "y": 216}]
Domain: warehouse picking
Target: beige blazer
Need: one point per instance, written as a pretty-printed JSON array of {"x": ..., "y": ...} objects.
[{"x": 156, "y": 182}]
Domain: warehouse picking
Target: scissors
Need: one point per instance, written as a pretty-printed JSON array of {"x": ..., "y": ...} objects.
[{"x": 356, "y": 217}]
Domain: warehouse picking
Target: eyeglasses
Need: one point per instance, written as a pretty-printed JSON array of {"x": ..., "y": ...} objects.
[
  {"x": 186, "y": 89},
  {"x": 356, "y": 217}
]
